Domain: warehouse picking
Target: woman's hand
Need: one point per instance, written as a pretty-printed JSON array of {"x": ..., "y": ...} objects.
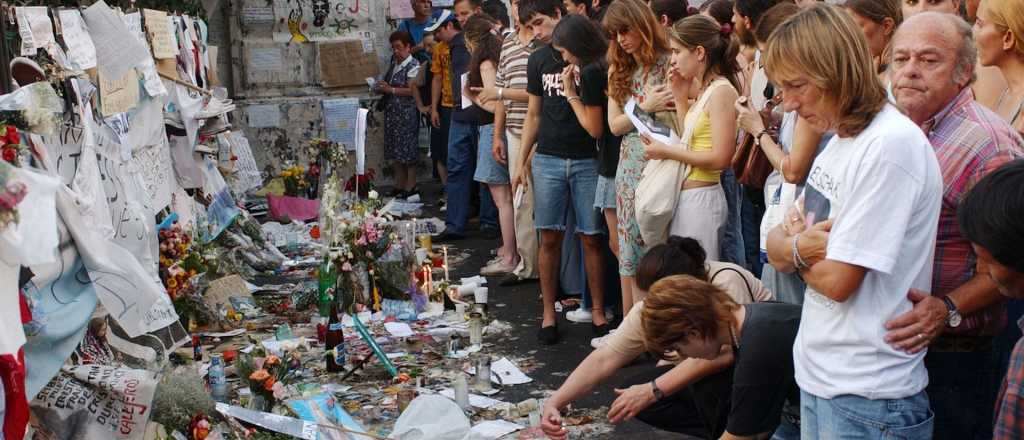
[
  {"x": 551, "y": 423},
  {"x": 631, "y": 401},
  {"x": 654, "y": 149},
  {"x": 499, "y": 151},
  {"x": 569, "y": 75},
  {"x": 657, "y": 98},
  {"x": 679, "y": 85},
  {"x": 748, "y": 119}
]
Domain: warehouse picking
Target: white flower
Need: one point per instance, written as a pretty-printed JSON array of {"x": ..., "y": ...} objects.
[{"x": 373, "y": 194}]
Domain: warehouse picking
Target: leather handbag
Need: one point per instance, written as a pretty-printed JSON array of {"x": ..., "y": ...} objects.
[{"x": 750, "y": 164}]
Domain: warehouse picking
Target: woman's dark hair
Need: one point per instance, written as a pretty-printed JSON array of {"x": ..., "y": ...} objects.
[
  {"x": 990, "y": 215},
  {"x": 720, "y": 10},
  {"x": 581, "y": 37},
  {"x": 719, "y": 47},
  {"x": 402, "y": 36},
  {"x": 586, "y": 4},
  {"x": 772, "y": 18},
  {"x": 675, "y": 10},
  {"x": 497, "y": 10},
  {"x": 479, "y": 29},
  {"x": 677, "y": 256}
]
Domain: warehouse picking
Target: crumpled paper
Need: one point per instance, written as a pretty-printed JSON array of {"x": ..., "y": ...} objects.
[{"x": 432, "y": 417}]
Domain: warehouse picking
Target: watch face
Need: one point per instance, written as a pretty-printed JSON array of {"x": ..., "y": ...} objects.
[{"x": 954, "y": 319}]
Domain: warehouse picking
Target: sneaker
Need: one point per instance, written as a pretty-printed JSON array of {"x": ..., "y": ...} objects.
[
  {"x": 584, "y": 316},
  {"x": 497, "y": 267},
  {"x": 214, "y": 126},
  {"x": 215, "y": 107}
]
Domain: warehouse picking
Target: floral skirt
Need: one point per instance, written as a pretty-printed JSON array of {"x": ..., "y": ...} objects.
[
  {"x": 627, "y": 177},
  {"x": 401, "y": 131}
]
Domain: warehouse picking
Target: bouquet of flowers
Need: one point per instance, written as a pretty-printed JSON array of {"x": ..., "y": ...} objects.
[
  {"x": 364, "y": 182},
  {"x": 11, "y": 193},
  {"x": 326, "y": 152},
  {"x": 266, "y": 376},
  {"x": 295, "y": 182},
  {"x": 10, "y": 145}
]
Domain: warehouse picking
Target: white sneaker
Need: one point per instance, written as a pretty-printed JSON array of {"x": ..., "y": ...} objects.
[{"x": 581, "y": 315}]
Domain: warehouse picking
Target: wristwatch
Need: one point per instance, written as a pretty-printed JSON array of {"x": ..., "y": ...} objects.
[
  {"x": 658, "y": 394},
  {"x": 953, "y": 319}
]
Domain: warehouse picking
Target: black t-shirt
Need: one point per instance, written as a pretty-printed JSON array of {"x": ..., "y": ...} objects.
[
  {"x": 560, "y": 133},
  {"x": 593, "y": 92},
  {"x": 763, "y": 374}
]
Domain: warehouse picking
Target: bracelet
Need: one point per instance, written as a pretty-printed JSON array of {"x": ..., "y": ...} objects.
[
  {"x": 797, "y": 260},
  {"x": 501, "y": 93},
  {"x": 757, "y": 139}
]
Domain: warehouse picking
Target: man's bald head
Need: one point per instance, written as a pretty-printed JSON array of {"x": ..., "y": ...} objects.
[{"x": 945, "y": 30}]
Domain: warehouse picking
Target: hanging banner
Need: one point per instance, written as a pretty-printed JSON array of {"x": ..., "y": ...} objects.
[{"x": 300, "y": 21}]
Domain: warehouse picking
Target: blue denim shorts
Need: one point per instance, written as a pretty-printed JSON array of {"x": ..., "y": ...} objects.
[
  {"x": 854, "y": 417},
  {"x": 605, "y": 193},
  {"x": 560, "y": 184},
  {"x": 488, "y": 170}
]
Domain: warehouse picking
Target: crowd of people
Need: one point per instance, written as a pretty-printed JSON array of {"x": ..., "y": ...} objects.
[{"x": 813, "y": 209}]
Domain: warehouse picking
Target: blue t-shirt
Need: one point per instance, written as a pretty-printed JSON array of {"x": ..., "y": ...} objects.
[{"x": 417, "y": 30}]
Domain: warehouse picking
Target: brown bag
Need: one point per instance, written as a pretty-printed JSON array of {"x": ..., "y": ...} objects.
[{"x": 750, "y": 164}]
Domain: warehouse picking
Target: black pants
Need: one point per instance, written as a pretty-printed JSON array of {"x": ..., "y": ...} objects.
[
  {"x": 699, "y": 410},
  {"x": 962, "y": 388}
]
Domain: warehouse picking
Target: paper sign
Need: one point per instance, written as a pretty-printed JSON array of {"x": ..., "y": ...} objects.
[
  {"x": 223, "y": 289},
  {"x": 346, "y": 63},
  {"x": 115, "y": 54},
  {"x": 81, "y": 53},
  {"x": 265, "y": 59},
  {"x": 398, "y": 329},
  {"x": 467, "y": 102},
  {"x": 104, "y": 402},
  {"x": 159, "y": 34},
  {"x": 154, "y": 166},
  {"x": 264, "y": 115},
  {"x": 120, "y": 95},
  {"x": 340, "y": 120},
  {"x": 36, "y": 21},
  {"x": 493, "y": 429},
  {"x": 366, "y": 38},
  {"x": 504, "y": 372},
  {"x": 247, "y": 174},
  {"x": 401, "y": 9},
  {"x": 253, "y": 15}
]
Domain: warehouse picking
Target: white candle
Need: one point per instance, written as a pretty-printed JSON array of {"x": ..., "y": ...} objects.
[{"x": 445, "y": 249}]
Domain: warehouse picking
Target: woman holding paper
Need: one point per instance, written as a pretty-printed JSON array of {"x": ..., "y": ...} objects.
[
  {"x": 401, "y": 139},
  {"x": 704, "y": 69},
  {"x": 637, "y": 68}
]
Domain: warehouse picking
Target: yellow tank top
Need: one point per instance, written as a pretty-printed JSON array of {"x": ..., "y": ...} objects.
[{"x": 701, "y": 141}]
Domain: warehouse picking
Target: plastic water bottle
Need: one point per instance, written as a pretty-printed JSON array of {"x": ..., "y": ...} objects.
[{"x": 218, "y": 381}]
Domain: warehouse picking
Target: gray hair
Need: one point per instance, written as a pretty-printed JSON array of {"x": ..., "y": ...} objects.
[{"x": 966, "y": 51}]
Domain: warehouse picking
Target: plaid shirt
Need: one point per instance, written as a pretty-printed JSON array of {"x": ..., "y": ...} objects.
[
  {"x": 970, "y": 141},
  {"x": 1010, "y": 405}
]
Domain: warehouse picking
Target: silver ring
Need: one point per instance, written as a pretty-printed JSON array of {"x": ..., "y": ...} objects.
[{"x": 920, "y": 336}]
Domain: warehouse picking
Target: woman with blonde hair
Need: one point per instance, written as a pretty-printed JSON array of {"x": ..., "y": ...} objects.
[
  {"x": 873, "y": 199},
  {"x": 704, "y": 69},
  {"x": 999, "y": 37},
  {"x": 637, "y": 69}
]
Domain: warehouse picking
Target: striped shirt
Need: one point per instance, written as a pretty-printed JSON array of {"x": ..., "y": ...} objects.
[
  {"x": 970, "y": 141},
  {"x": 512, "y": 75}
]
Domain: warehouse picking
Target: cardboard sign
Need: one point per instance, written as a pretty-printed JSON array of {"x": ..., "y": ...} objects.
[
  {"x": 103, "y": 401},
  {"x": 222, "y": 290},
  {"x": 346, "y": 63},
  {"x": 159, "y": 32},
  {"x": 118, "y": 95}
]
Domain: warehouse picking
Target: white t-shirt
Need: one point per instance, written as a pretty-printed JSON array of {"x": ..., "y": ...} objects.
[{"x": 883, "y": 188}]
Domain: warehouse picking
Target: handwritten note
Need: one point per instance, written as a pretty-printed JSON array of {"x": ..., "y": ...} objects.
[
  {"x": 154, "y": 165},
  {"x": 159, "y": 34},
  {"x": 247, "y": 174},
  {"x": 119, "y": 95},
  {"x": 345, "y": 63},
  {"x": 265, "y": 59},
  {"x": 81, "y": 53},
  {"x": 340, "y": 120},
  {"x": 115, "y": 54},
  {"x": 401, "y": 9},
  {"x": 264, "y": 115}
]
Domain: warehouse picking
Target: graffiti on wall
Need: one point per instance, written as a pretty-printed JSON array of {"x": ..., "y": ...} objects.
[{"x": 299, "y": 21}]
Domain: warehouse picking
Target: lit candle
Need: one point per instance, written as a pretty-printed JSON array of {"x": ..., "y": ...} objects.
[{"x": 445, "y": 249}]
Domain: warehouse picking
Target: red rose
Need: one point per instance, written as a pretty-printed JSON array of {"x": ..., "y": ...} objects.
[{"x": 10, "y": 154}]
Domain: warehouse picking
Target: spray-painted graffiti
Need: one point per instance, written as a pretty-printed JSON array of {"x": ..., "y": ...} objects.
[{"x": 320, "y": 20}]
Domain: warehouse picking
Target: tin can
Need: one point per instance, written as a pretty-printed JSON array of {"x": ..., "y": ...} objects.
[
  {"x": 218, "y": 381},
  {"x": 197, "y": 348},
  {"x": 476, "y": 328}
]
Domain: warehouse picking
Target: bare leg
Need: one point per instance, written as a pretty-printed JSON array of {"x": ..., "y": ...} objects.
[
  {"x": 398, "y": 170},
  {"x": 613, "y": 230},
  {"x": 593, "y": 261},
  {"x": 502, "y": 195},
  {"x": 550, "y": 259},
  {"x": 627, "y": 283},
  {"x": 410, "y": 176},
  {"x": 442, "y": 172}
]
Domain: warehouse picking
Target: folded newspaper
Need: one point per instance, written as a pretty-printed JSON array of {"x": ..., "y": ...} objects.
[{"x": 649, "y": 125}]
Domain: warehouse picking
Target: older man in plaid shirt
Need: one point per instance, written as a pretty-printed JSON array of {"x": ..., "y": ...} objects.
[
  {"x": 931, "y": 71},
  {"x": 990, "y": 219}
]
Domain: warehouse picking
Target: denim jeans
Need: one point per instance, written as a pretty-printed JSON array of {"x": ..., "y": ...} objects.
[
  {"x": 854, "y": 417},
  {"x": 560, "y": 185},
  {"x": 732, "y": 241},
  {"x": 463, "y": 138},
  {"x": 750, "y": 219}
]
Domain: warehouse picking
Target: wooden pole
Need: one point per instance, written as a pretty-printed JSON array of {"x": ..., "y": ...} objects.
[{"x": 187, "y": 85}]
